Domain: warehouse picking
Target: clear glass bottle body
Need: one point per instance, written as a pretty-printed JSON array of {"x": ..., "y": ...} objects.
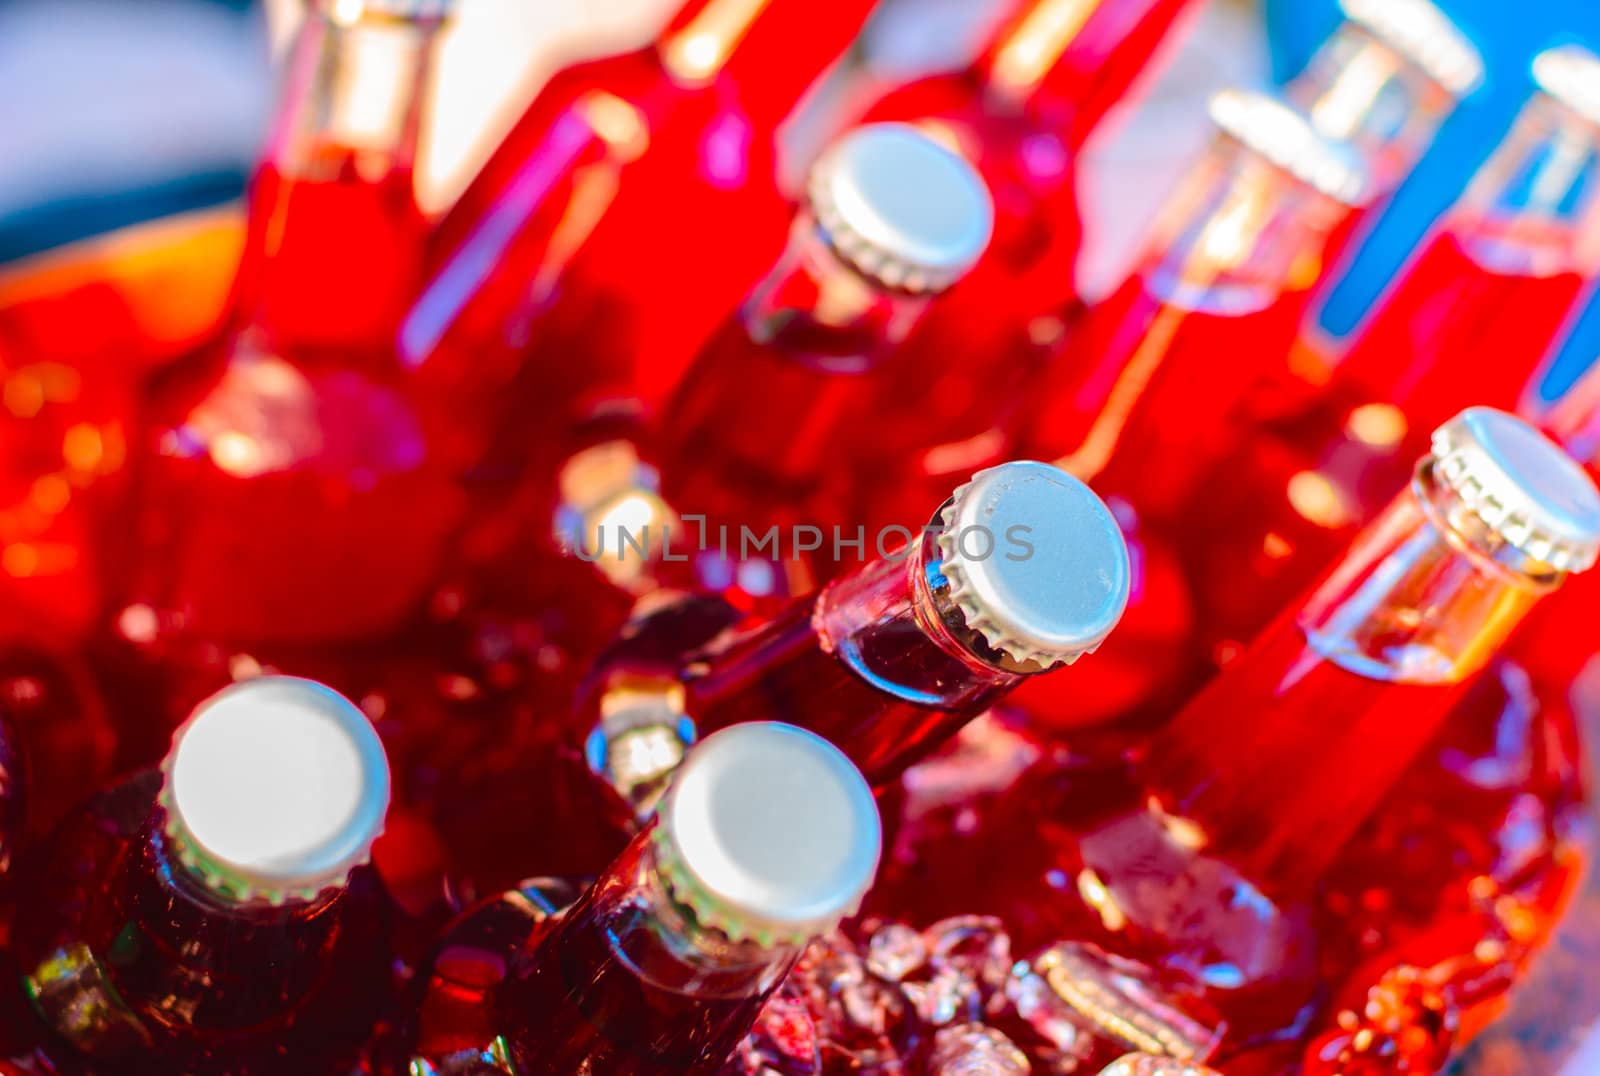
[{"x": 877, "y": 663}]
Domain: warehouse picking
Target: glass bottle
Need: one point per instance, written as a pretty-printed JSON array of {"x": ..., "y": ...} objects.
[
  {"x": 1021, "y": 113},
  {"x": 1135, "y": 404},
  {"x": 763, "y": 417},
  {"x": 766, "y": 838},
  {"x": 558, "y": 265},
  {"x": 1386, "y": 81},
  {"x": 1199, "y": 859},
  {"x": 217, "y": 914},
  {"x": 1467, "y": 323},
  {"x": 1021, "y": 571},
  {"x": 288, "y": 490},
  {"x": 753, "y": 438}
]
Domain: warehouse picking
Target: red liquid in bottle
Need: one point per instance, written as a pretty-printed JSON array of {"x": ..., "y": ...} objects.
[
  {"x": 1020, "y": 114},
  {"x": 667, "y": 961},
  {"x": 246, "y": 953},
  {"x": 1200, "y": 859},
  {"x": 290, "y": 492},
  {"x": 562, "y": 247},
  {"x": 1135, "y": 402},
  {"x": 1295, "y": 495},
  {"x": 882, "y": 661}
]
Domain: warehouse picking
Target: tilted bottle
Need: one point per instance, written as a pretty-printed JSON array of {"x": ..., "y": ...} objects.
[
  {"x": 766, "y": 838},
  {"x": 1467, "y": 322},
  {"x": 217, "y": 914},
  {"x": 1021, "y": 113},
  {"x": 1022, "y": 570},
  {"x": 755, "y": 435},
  {"x": 288, "y": 491},
  {"x": 559, "y": 274},
  {"x": 760, "y": 428},
  {"x": 1137, "y": 403},
  {"x": 1200, "y": 858}
]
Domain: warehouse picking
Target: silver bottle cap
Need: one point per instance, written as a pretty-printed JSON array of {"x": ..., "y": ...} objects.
[
  {"x": 1036, "y": 564},
  {"x": 1519, "y": 484},
  {"x": 1277, "y": 132},
  {"x": 1571, "y": 75},
  {"x": 1155, "y": 1065},
  {"x": 275, "y": 789},
  {"x": 768, "y": 833},
  {"x": 1424, "y": 35},
  {"x": 901, "y": 208}
]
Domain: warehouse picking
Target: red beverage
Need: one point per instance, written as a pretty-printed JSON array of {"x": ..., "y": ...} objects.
[
  {"x": 561, "y": 247},
  {"x": 1201, "y": 858},
  {"x": 289, "y": 487},
  {"x": 766, "y": 412},
  {"x": 666, "y": 962},
  {"x": 1021, "y": 114},
  {"x": 1135, "y": 404},
  {"x": 749, "y": 438},
  {"x": 216, "y": 915},
  {"x": 1023, "y": 570},
  {"x": 1386, "y": 81},
  {"x": 1458, "y": 879},
  {"x": 1467, "y": 323}
]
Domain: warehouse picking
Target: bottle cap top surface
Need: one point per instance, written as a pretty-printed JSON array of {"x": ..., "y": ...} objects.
[
  {"x": 901, "y": 208},
  {"x": 1036, "y": 563},
  {"x": 1521, "y": 485},
  {"x": 1278, "y": 133},
  {"x": 1571, "y": 75},
  {"x": 1424, "y": 35},
  {"x": 768, "y": 833},
  {"x": 275, "y": 789}
]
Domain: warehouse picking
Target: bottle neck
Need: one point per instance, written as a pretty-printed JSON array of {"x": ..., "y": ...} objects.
[
  {"x": 816, "y": 310},
  {"x": 1239, "y": 234},
  {"x": 760, "y": 413},
  {"x": 625, "y": 937},
  {"x": 1225, "y": 269},
  {"x": 1532, "y": 208},
  {"x": 1082, "y": 54},
  {"x": 182, "y": 952},
  {"x": 1360, "y": 89},
  {"x": 333, "y": 217},
  {"x": 879, "y": 663},
  {"x": 773, "y": 49},
  {"x": 1277, "y": 763}
]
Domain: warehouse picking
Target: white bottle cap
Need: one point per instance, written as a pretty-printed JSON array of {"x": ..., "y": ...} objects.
[
  {"x": 901, "y": 208},
  {"x": 1278, "y": 133},
  {"x": 1424, "y": 35},
  {"x": 1571, "y": 74},
  {"x": 275, "y": 789},
  {"x": 1529, "y": 493},
  {"x": 1035, "y": 562},
  {"x": 768, "y": 833}
]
